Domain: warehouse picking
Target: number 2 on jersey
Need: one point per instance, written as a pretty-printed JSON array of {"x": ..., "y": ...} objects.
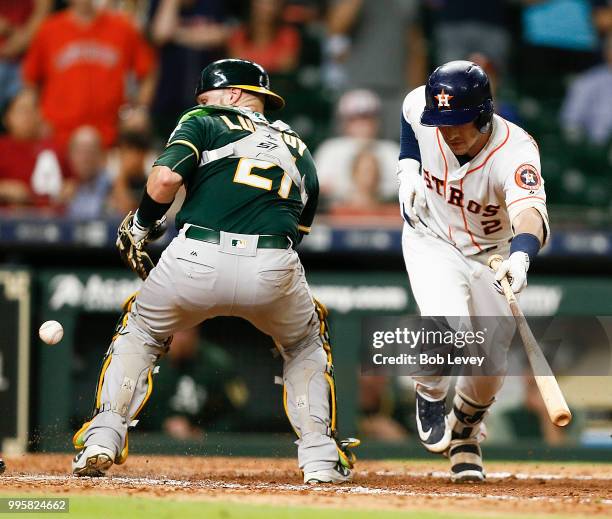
[{"x": 243, "y": 175}]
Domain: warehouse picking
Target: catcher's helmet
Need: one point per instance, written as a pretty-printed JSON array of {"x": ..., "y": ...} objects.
[
  {"x": 458, "y": 92},
  {"x": 239, "y": 73}
]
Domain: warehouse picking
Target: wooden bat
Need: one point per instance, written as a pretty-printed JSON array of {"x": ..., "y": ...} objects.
[{"x": 557, "y": 408}]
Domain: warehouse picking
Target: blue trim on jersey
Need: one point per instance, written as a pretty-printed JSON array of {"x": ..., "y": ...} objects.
[
  {"x": 409, "y": 146},
  {"x": 526, "y": 242}
]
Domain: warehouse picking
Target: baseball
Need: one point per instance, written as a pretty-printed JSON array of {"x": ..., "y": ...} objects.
[{"x": 51, "y": 332}]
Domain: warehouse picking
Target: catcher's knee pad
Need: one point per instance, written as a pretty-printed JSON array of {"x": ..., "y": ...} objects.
[
  {"x": 125, "y": 381},
  {"x": 465, "y": 419}
]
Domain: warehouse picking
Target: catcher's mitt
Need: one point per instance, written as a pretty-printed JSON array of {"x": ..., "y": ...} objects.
[{"x": 131, "y": 249}]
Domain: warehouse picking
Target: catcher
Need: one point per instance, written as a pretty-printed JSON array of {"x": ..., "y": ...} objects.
[{"x": 252, "y": 194}]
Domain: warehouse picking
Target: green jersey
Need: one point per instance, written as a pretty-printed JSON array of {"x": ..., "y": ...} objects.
[{"x": 263, "y": 185}]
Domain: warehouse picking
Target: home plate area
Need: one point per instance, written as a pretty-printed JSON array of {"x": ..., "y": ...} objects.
[{"x": 522, "y": 488}]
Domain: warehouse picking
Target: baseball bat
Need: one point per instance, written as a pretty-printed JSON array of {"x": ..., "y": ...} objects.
[{"x": 557, "y": 408}]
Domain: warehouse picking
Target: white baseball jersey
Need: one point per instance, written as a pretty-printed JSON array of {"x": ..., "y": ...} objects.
[{"x": 472, "y": 206}]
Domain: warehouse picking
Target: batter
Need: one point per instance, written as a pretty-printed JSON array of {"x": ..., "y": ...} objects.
[{"x": 470, "y": 186}]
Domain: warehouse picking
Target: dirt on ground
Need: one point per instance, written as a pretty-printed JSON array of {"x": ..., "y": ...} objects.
[{"x": 533, "y": 488}]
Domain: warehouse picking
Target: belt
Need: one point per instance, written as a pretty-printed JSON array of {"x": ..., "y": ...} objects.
[{"x": 266, "y": 241}]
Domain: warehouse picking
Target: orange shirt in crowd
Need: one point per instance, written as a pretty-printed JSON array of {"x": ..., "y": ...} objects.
[
  {"x": 279, "y": 55},
  {"x": 81, "y": 70}
]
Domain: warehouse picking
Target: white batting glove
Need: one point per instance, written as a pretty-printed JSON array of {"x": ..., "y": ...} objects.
[
  {"x": 516, "y": 267},
  {"x": 411, "y": 190}
]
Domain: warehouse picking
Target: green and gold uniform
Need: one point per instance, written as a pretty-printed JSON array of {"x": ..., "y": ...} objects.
[
  {"x": 241, "y": 195},
  {"x": 251, "y": 193}
]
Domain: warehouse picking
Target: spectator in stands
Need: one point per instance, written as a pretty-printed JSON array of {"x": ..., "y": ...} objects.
[
  {"x": 190, "y": 34},
  {"x": 80, "y": 60},
  {"x": 602, "y": 15},
  {"x": 30, "y": 163},
  {"x": 583, "y": 114},
  {"x": 86, "y": 158},
  {"x": 364, "y": 197},
  {"x": 378, "y": 46},
  {"x": 359, "y": 123},
  {"x": 559, "y": 38},
  {"x": 19, "y": 21},
  {"x": 265, "y": 39},
  {"x": 134, "y": 163},
  {"x": 462, "y": 28}
]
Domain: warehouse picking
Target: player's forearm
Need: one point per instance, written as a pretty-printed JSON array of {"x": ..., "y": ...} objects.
[
  {"x": 162, "y": 186},
  {"x": 529, "y": 221},
  {"x": 528, "y": 238}
]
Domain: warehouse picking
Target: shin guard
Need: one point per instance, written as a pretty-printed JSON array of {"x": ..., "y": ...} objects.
[{"x": 124, "y": 386}]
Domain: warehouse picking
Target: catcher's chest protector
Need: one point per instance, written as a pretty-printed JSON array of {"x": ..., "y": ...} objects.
[{"x": 267, "y": 143}]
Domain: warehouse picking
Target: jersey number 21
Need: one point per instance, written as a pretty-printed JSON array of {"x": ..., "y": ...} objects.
[{"x": 243, "y": 175}]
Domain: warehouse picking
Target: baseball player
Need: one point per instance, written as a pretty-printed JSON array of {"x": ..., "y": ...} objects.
[
  {"x": 470, "y": 186},
  {"x": 252, "y": 194}
]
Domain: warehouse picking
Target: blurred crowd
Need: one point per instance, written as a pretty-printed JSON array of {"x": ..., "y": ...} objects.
[{"x": 91, "y": 89}]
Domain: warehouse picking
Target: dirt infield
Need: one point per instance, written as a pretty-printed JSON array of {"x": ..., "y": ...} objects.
[{"x": 573, "y": 489}]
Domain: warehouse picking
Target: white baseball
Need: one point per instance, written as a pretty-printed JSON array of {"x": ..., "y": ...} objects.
[{"x": 51, "y": 332}]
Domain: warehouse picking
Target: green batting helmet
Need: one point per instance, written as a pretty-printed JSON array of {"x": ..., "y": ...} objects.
[{"x": 239, "y": 73}]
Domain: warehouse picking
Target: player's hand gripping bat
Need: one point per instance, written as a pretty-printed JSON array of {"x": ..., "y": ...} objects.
[{"x": 557, "y": 408}]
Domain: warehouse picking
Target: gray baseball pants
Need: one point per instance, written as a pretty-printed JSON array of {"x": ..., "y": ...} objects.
[{"x": 195, "y": 281}]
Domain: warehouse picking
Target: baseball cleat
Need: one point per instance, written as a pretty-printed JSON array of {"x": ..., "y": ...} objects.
[
  {"x": 78, "y": 440},
  {"x": 466, "y": 461},
  {"x": 337, "y": 474},
  {"x": 434, "y": 433},
  {"x": 343, "y": 471},
  {"x": 2, "y": 466},
  {"x": 93, "y": 461}
]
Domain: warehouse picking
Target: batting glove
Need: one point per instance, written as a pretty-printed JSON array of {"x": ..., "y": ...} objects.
[
  {"x": 411, "y": 191},
  {"x": 515, "y": 267}
]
